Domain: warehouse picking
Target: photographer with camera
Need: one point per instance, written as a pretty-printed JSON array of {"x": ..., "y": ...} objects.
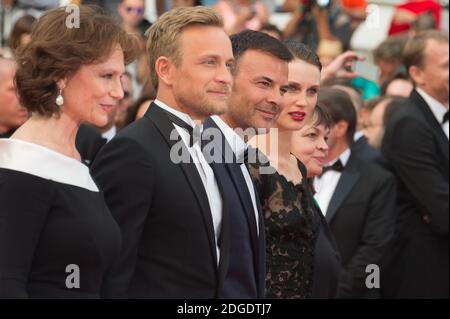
[{"x": 316, "y": 21}]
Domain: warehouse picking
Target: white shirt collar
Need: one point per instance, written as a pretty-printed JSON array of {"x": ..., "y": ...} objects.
[
  {"x": 234, "y": 140},
  {"x": 436, "y": 107},
  {"x": 43, "y": 162},
  {"x": 358, "y": 135},
  {"x": 109, "y": 134},
  {"x": 344, "y": 157},
  {"x": 178, "y": 114}
]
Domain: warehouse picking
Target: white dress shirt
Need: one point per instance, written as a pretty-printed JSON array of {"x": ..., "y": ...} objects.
[
  {"x": 239, "y": 146},
  {"x": 437, "y": 108},
  {"x": 357, "y": 136},
  {"x": 109, "y": 134},
  {"x": 325, "y": 185},
  {"x": 205, "y": 171}
]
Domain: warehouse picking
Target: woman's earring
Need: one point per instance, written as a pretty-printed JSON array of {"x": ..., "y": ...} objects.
[{"x": 59, "y": 99}]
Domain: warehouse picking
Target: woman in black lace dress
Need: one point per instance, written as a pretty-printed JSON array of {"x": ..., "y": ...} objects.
[{"x": 291, "y": 224}]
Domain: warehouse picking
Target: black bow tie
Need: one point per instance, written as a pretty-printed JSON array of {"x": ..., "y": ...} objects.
[
  {"x": 195, "y": 133},
  {"x": 337, "y": 166},
  {"x": 445, "y": 120}
]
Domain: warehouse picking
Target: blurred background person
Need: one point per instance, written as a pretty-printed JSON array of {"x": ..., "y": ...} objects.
[
  {"x": 12, "y": 114},
  {"x": 315, "y": 21},
  {"x": 126, "y": 101},
  {"x": 272, "y": 30},
  {"x": 21, "y": 32},
  {"x": 425, "y": 21},
  {"x": 131, "y": 13},
  {"x": 186, "y": 3},
  {"x": 239, "y": 15},
  {"x": 388, "y": 57},
  {"x": 109, "y": 130},
  {"x": 407, "y": 12},
  {"x": 374, "y": 130},
  {"x": 416, "y": 146},
  {"x": 356, "y": 10},
  {"x": 399, "y": 85},
  {"x": 357, "y": 198},
  {"x": 360, "y": 147},
  {"x": 138, "y": 109}
]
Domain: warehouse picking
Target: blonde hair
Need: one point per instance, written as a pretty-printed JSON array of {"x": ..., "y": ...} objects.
[{"x": 164, "y": 34}]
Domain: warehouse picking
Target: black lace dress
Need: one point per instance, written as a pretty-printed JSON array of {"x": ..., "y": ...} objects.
[{"x": 291, "y": 233}]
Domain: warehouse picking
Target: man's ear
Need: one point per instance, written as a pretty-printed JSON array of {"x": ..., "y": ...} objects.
[
  {"x": 341, "y": 128},
  {"x": 165, "y": 68},
  {"x": 416, "y": 75}
]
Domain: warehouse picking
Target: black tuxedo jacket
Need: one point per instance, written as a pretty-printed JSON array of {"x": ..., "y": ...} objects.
[
  {"x": 363, "y": 151},
  {"x": 418, "y": 151},
  {"x": 234, "y": 180},
  {"x": 361, "y": 215},
  {"x": 168, "y": 240},
  {"x": 88, "y": 143},
  {"x": 327, "y": 260},
  {"x": 7, "y": 134}
]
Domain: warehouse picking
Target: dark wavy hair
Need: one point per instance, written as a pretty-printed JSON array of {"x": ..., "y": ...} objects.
[{"x": 57, "y": 51}]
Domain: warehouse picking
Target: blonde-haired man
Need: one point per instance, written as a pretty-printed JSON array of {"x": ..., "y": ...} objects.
[
  {"x": 170, "y": 212},
  {"x": 416, "y": 147}
]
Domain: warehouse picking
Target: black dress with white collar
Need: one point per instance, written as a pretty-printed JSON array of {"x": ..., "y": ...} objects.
[{"x": 55, "y": 227}]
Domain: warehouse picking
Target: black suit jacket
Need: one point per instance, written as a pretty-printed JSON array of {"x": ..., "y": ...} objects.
[
  {"x": 162, "y": 209},
  {"x": 361, "y": 215},
  {"x": 418, "y": 152},
  {"x": 363, "y": 151},
  {"x": 327, "y": 260},
  {"x": 88, "y": 143},
  {"x": 236, "y": 179},
  {"x": 7, "y": 134}
]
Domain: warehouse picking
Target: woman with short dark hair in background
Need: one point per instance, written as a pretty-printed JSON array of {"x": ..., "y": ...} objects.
[
  {"x": 57, "y": 237},
  {"x": 309, "y": 145}
]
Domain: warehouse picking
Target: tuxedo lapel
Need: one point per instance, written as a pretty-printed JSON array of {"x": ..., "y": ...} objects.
[
  {"x": 165, "y": 127},
  {"x": 238, "y": 181},
  {"x": 432, "y": 121},
  {"x": 258, "y": 242},
  {"x": 348, "y": 179}
]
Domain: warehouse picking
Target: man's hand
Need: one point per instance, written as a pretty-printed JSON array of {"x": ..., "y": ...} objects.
[{"x": 341, "y": 66}]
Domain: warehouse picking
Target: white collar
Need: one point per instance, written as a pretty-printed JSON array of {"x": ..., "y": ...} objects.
[
  {"x": 43, "y": 162},
  {"x": 234, "y": 140},
  {"x": 178, "y": 114},
  {"x": 109, "y": 134},
  {"x": 358, "y": 135},
  {"x": 436, "y": 107},
  {"x": 344, "y": 157}
]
